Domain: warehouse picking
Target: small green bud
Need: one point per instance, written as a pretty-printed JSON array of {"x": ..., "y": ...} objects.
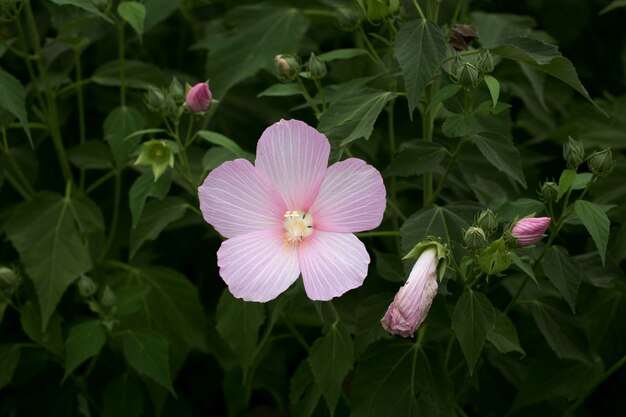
[
  {"x": 108, "y": 298},
  {"x": 379, "y": 9},
  {"x": 316, "y": 68},
  {"x": 8, "y": 276},
  {"x": 488, "y": 221},
  {"x": 349, "y": 17},
  {"x": 573, "y": 153},
  {"x": 549, "y": 191},
  {"x": 154, "y": 99},
  {"x": 474, "y": 238},
  {"x": 158, "y": 154},
  {"x": 86, "y": 286},
  {"x": 601, "y": 163},
  {"x": 176, "y": 91},
  {"x": 495, "y": 258},
  {"x": 485, "y": 62},
  {"x": 465, "y": 73},
  {"x": 287, "y": 67}
]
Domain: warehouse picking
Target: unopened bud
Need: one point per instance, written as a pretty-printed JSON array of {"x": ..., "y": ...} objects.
[
  {"x": 86, "y": 286},
  {"x": 465, "y": 73},
  {"x": 573, "y": 153},
  {"x": 485, "y": 62},
  {"x": 176, "y": 91},
  {"x": 8, "y": 276},
  {"x": 601, "y": 162},
  {"x": 154, "y": 99},
  {"x": 474, "y": 238},
  {"x": 549, "y": 191},
  {"x": 158, "y": 154},
  {"x": 316, "y": 68},
  {"x": 488, "y": 221},
  {"x": 287, "y": 67},
  {"x": 199, "y": 98},
  {"x": 108, "y": 298},
  {"x": 379, "y": 9}
]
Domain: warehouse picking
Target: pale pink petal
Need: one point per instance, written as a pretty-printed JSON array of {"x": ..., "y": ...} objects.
[
  {"x": 332, "y": 263},
  {"x": 294, "y": 156},
  {"x": 236, "y": 198},
  {"x": 352, "y": 198},
  {"x": 258, "y": 266}
]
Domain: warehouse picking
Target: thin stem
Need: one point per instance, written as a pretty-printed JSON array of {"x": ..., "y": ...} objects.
[
  {"x": 320, "y": 13},
  {"x": 372, "y": 51},
  {"x": 391, "y": 134},
  {"x": 381, "y": 233},
  {"x": 23, "y": 186},
  {"x": 442, "y": 183},
  {"x": 308, "y": 98},
  {"x": 455, "y": 16},
  {"x": 296, "y": 333},
  {"x": 81, "y": 109},
  {"x": 121, "y": 45},
  {"x": 516, "y": 295},
  {"x": 427, "y": 135},
  {"x": 100, "y": 181},
  {"x": 29, "y": 67},
  {"x": 72, "y": 86},
  {"x": 419, "y": 9},
  {"x": 395, "y": 208},
  {"x": 114, "y": 218},
  {"x": 320, "y": 89}
]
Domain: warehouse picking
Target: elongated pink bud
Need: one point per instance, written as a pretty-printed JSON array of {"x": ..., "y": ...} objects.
[
  {"x": 199, "y": 98},
  {"x": 528, "y": 231},
  {"x": 410, "y": 306}
]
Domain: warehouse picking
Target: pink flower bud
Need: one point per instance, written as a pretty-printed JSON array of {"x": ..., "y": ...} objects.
[
  {"x": 528, "y": 231},
  {"x": 412, "y": 302},
  {"x": 199, "y": 98}
]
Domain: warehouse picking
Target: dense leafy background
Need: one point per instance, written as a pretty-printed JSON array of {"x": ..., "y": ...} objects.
[{"x": 110, "y": 300}]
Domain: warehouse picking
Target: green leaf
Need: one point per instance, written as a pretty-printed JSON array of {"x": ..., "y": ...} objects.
[
  {"x": 596, "y": 222},
  {"x": 542, "y": 56},
  {"x": 418, "y": 159},
  {"x": 561, "y": 330},
  {"x": 568, "y": 176},
  {"x": 145, "y": 186},
  {"x": 304, "y": 394},
  {"x": 123, "y": 397},
  {"x": 221, "y": 140},
  {"x": 368, "y": 327},
  {"x": 9, "y": 358},
  {"x": 502, "y": 154},
  {"x": 443, "y": 94},
  {"x": 281, "y": 90},
  {"x": 48, "y": 336},
  {"x": 353, "y": 115},
  {"x": 347, "y": 53},
  {"x": 441, "y": 222},
  {"x": 120, "y": 123},
  {"x": 526, "y": 268},
  {"x": 238, "y": 322},
  {"x": 495, "y": 258},
  {"x": 330, "y": 358},
  {"x": 93, "y": 154},
  {"x": 50, "y": 246},
  {"x": 473, "y": 318},
  {"x": 83, "y": 342},
  {"x": 564, "y": 273},
  {"x": 494, "y": 88},
  {"x": 615, "y": 4},
  {"x": 258, "y": 33},
  {"x": 215, "y": 157},
  {"x": 157, "y": 215},
  {"x": 86, "y": 214},
  {"x": 159, "y": 10},
  {"x": 139, "y": 74},
  {"x": 520, "y": 208},
  {"x": 172, "y": 305},
  {"x": 13, "y": 99},
  {"x": 420, "y": 48},
  {"x": 549, "y": 379},
  {"x": 85, "y": 5},
  {"x": 130, "y": 299},
  {"x": 134, "y": 13},
  {"x": 389, "y": 266},
  {"x": 147, "y": 353},
  {"x": 504, "y": 335}
]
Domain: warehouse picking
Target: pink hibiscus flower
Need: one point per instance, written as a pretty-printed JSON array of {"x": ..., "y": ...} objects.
[{"x": 291, "y": 214}]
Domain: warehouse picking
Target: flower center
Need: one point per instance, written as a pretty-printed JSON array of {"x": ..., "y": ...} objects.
[{"x": 298, "y": 225}]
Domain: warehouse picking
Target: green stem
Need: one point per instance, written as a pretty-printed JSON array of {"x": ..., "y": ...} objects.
[
  {"x": 182, "y": 156},
  {"x": 570, "y": 410},
  {"x": 381, "y": 233},
  {"x": 296, "y": 333},
  {"x": 396, "y": 209},
  {"x": 29, "y": 67},
  {"x": 455, "y": 16},
  {"x": 74, "y": 85},
  {"x": 21, "y": 185},
  {"x": 100, "y": 181},
  {"x": 121, "y": 45},
  {"x": 320, "y": 13},
  {"x": 516, "y": 295},
  {"x": 114, "y": 218},
  {"x": 308, "y": 98},
  {"x": 419, "y": 9},
  {"x": 442, "y": 183},
  {"x": 320, "y": 89},
  {"x": 81, "y": 109},
  {"x": 372, "y": 51},
  {"x": 391, "y": 134},
  {"x": 427, "y": 135},
  {"x": 52, "y": 113}
]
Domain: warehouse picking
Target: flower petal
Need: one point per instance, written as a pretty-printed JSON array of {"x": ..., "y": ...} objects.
[
  {"x": 351, "y": 198},
  {"x": 236, "y": 198},
  {"x": 332, "y": 263},
  {"x": 294, "y": 156},
  {"x": 258, "y": 266}
]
